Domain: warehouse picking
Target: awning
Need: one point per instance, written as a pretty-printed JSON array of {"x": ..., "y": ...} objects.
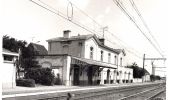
[{"x": 84, "y": 61}]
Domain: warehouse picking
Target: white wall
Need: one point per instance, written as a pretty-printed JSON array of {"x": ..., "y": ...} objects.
[
  {"x": 136, "y": 80},
  {"x": 9, "y": 75},
  {"x": 91, "y": 43},
  {"x": 97, "y": 51}
]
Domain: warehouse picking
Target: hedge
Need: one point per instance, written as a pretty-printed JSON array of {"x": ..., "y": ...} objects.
[
  {"x": 42, "y": 76},
  {"x": 25, "y": 82}
]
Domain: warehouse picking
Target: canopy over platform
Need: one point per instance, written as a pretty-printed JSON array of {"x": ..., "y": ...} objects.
[{"x": 84, "y": 61}]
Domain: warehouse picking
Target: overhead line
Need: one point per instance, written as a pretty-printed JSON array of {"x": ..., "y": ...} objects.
[
  {"x": 100, "y": 26},
  {"x": 85, "y": 14},
  {"x": 62, "y": 15},
  {"x": 144, "y": 22},
  {"x": 129, "y": 16}
]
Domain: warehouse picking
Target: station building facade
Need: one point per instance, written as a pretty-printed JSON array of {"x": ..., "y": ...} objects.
[{"x": 85, "y": 60}]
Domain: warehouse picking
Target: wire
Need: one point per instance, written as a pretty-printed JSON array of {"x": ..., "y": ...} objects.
[
  {"x": 63, "y": 16},
  {"x": 101, "y": 26},
  {"x": 132, "y": 19},
  {"x": 160, "y": 70},
  {"x": 85, "y": 14},
  {"x": 143, "y": 21}
]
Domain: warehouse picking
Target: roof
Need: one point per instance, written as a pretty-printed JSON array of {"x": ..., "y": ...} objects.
[
  {"x": 121, "y": 50},
  {"x": 79, "y": 37},
  {"x": 39, "y": 49},
  {"x": 84, "y": 37},
  {"x": 8, "y": 52},
  {"x": 77, "y": 60}
]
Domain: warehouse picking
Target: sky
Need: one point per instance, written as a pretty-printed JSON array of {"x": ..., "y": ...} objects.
[{"x": 24, "y": 20}]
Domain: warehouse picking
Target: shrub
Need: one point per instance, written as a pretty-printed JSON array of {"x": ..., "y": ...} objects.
[
  {"x": 25, "y": 82},
  {"x": 57, "y": 80},
  {"x": 34, "y": 74},
  {"x": 47, "y": 77},
  {"x": 43, "y": 76}
]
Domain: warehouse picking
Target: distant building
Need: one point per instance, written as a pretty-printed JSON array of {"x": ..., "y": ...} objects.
[
  {"x": 8, "y": 69},
  {"x": 146, "y": 77},
  {"x": 85, "y": 60}
]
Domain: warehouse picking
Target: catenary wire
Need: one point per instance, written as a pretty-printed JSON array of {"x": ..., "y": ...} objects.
[
  {"x": 143, "y": 21},
  {"x": 131, "y": 18},
  {"x": 63, "y": 16}
]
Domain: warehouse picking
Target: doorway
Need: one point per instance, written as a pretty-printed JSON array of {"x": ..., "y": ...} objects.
[
  {"x": 90, "y": 75},
  {"x": 76, "y": 75},
  {"x": 108, "y": 76}
]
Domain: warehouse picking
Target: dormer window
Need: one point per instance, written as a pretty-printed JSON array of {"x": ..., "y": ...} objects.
[
  {"x": 101, "y": 55},
  {"x": 91, "y": 52}
]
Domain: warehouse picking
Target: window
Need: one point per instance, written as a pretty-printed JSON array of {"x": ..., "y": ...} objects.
[
  {"x": 115, "y": 60},
  {"x": 65, "y": 49},
  {"x": 91, "y": 52},
  {"x": 109, "y": 57},
  {"x": 101, "y": 55},
  {"x": 80, "y": 43},
  {"x": 8, "y": 58},
  {"x": 120, "y": 61}
]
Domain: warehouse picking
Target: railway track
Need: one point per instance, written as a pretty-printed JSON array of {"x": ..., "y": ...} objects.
[
  {"x": 100, "y": 93},
  {"x": 108, "y": 94},
  {"x": 115, "y": 94},
  {"x": 159, "y": 96},
  {"x": 149, "y": 94}
]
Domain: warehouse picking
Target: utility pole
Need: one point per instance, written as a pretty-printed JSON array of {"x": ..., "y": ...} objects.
[
  {"x": 143, "y": 67},
  {"x": 153, "y": 68}
]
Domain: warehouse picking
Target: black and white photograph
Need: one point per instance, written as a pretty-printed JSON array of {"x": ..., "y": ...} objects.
[{"x": 84, "y": 49}]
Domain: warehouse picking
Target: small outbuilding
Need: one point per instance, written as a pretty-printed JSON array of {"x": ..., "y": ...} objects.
[{"x": 9, "y": 69}]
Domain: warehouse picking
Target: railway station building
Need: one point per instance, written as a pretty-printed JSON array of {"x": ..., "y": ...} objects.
[{"x": 85, "y": 60}]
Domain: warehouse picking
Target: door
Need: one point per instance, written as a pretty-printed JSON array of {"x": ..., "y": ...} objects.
[
  {"x": 90, "y": 75},
  {"x": 108, "y": 76},
  {"x": 76, "y": 75}
]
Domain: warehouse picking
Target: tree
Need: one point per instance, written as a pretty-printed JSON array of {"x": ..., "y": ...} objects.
[
  {"x": 12, "y": 44},
  {"x": 26, "y": 58},
  {"x": 15, "y": 45},
  {"x": 137, "y": 71},
  {"x": 155, "y": 77}
]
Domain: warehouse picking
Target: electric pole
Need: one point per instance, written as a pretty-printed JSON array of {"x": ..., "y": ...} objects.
[
  {"x": 143, "y": 67},
  {"x": 153, "y": 68}
]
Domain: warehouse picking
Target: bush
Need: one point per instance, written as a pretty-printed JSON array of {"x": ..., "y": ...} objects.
[
  {"x": 47, "y": 77},
  {"x": 25, "y": 82},
  {"x": 154, "y": 77},
  {"x": 43, "y": 76},
  {"x": 57, "y": 80},
  {"x": 34, "y": 74}
]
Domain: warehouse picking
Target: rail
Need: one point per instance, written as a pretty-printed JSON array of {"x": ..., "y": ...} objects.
[{"x": 144, "y": 94}]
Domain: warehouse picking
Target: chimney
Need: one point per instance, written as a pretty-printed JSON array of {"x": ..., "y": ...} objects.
[
  {"x": 102, "y": 40},
  {"x": 66, "y": 33}
]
